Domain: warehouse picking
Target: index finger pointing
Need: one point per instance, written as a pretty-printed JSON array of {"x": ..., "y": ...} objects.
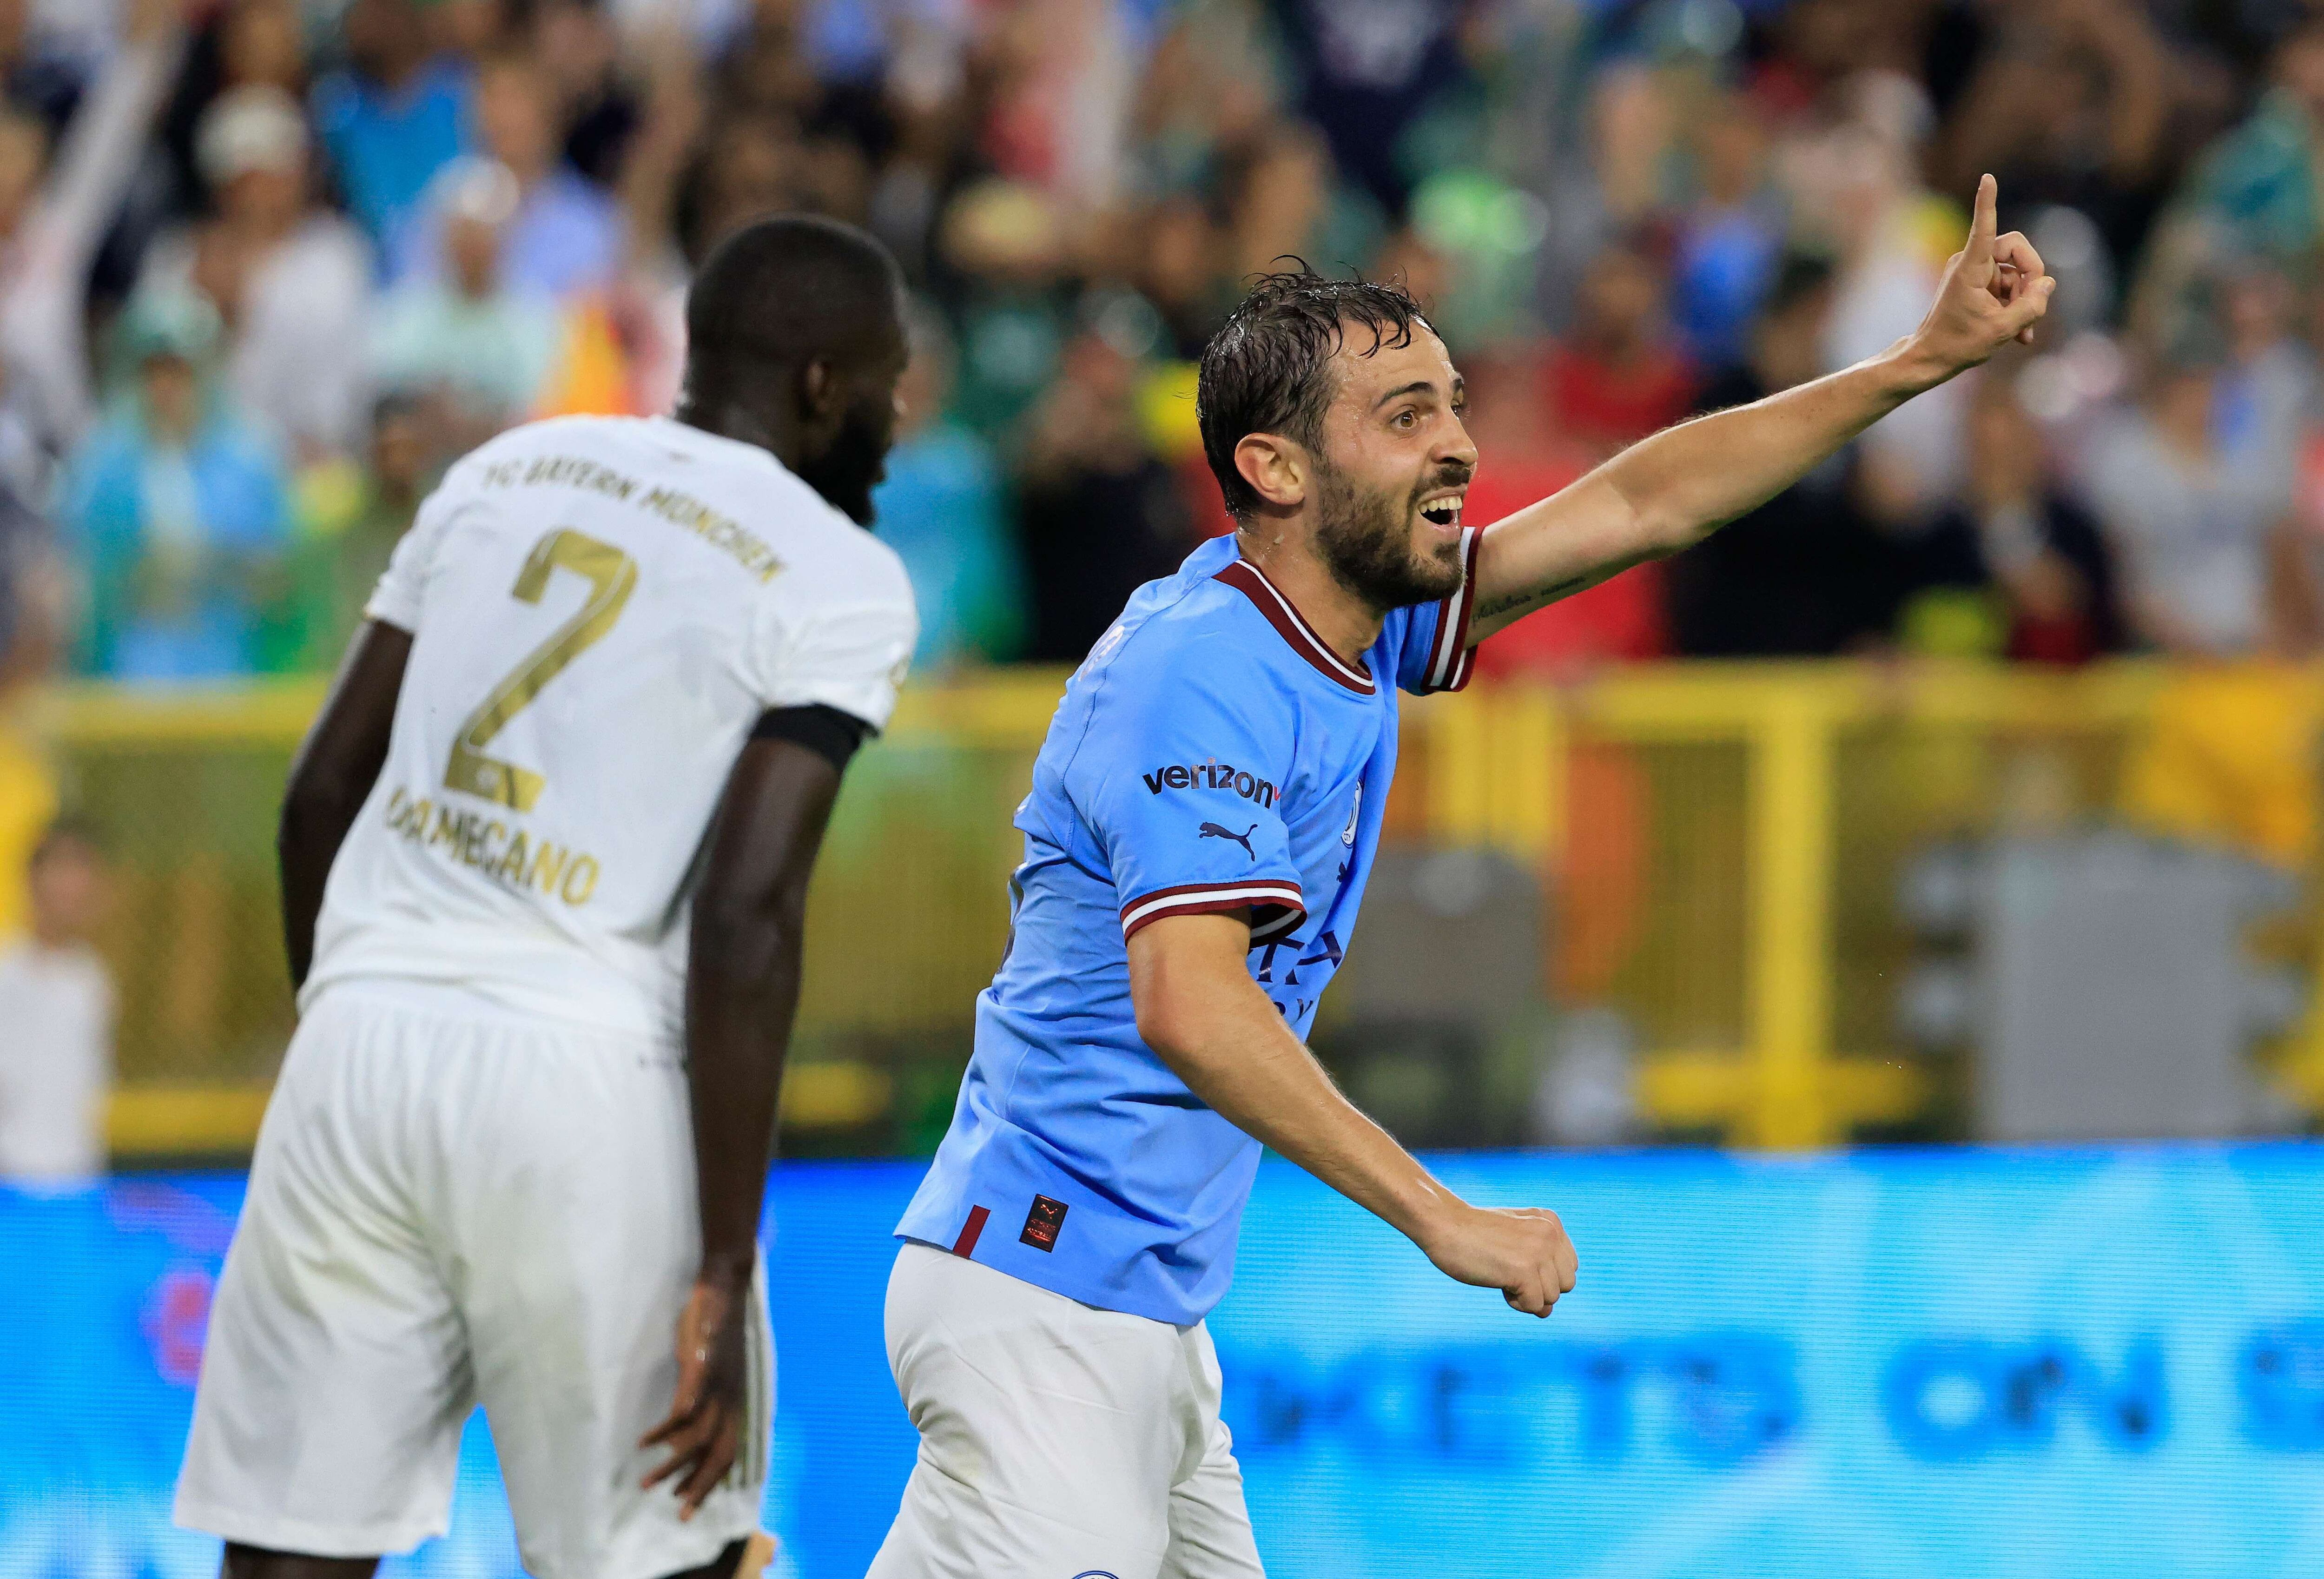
[{"x": 1981, "y": 224}]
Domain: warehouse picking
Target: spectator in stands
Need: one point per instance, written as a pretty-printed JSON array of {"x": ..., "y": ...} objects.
[
  {"x": 1207, "y": 85},
  {"x": 907, "y": 191},
  {"x": 564, "y": 234},
  {"x": 26, "y": 456},
  {"x": 2071, "y": 103},
  {"x": 394, "y": 117},
  {"x": 32, "y": 602},
  {"x": 1816, "y": 45},
  {"x": 1803, "y": 575},
  {"x": 1099, "y": 514},
  {"x": 54, "y": 213},
  {"x": 2267, "y": 396},
  {"x": 260, "y": 46},
  {"x": 1179, "y": 271},
  {"x": 248, "y": 43},
  {"x": 1433, "y": 278},
  {"x": 1522, "y": 457},
  {"x": 43, "y": 82},
  {"x": 291, "y": 280},
  {"x": 1006, "y": 244},
  {"x": 2018, "y": 567},
  {"x": 467, "y": 30},
  {"x": 1057, "y": 99},
  {"x": 942, "y": 508},
  {"x": 1729, "y": 238},
  {"x": 1281, "y": 197},
  {"x": 2258, "y": 183},
  {"x": 1619, "y": 374},
  {"x": 32, "y": 595},
  {"x": 2210, "y": 557},
  {"x": 174, "y": 511},
  {"x": 580, "y": 51},
  {"x": 644, "y": 312},
  {"x": 346, "y": 535},
  {"x": 462, "y": 333},
  {"x": 56, "y": 998},
  {"x": 1370, "y": 71},
  {"x": 2249, "y": 199},
  {"x": 751, "y": 166},
  {"x": 764, "y": 69},
  {"x": 1855, "y": 188},
  {"x": 2214, "y": 576}
]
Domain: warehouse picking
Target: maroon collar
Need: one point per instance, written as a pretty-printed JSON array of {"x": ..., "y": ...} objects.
[{"x": 1252, "y": 582}]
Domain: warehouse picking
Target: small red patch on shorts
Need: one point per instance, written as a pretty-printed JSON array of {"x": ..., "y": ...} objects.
[{"x": 966, "y": 1244}]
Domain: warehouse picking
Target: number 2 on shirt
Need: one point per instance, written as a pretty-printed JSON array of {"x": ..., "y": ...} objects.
[{"x": 612, "y": 576}]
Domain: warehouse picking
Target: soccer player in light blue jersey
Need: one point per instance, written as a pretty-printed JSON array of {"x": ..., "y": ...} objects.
[{"x": 1203, "y": 815}]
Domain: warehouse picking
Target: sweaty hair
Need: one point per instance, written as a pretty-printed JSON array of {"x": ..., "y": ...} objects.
[
  {"x": 1269, "y": 369},
  {"x": 782, "y": 291}
]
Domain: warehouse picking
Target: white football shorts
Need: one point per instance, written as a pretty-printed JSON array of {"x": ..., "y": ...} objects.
[
  {"x": 1058, "y": 1441},
  {"x": 450, "y": 1207}
]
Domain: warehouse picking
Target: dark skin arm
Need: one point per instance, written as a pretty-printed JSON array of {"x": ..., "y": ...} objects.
[
  {"x": 332, "y": 776},
  {"x": 742, "y": 989}
]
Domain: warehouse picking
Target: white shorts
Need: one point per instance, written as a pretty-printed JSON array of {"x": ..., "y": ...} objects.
[
  {"x": 447, "y": 1208},
  {"x": 1058, "y": 1441}
]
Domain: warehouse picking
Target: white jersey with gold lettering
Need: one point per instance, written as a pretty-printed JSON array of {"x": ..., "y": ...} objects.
[{"x": 601, "y": 609}]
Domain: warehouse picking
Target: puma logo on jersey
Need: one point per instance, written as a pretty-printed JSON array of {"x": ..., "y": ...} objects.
[
  {"x": 1213, "y": 774},
  {"x": 1212, "y": 830}
]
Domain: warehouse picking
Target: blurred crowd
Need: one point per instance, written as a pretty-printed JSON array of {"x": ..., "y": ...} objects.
[{"x": 266, "y": 266}]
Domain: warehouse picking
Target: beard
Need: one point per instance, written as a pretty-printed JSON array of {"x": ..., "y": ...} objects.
[
  {"x": 1365, "y": 538},
  {"x": 846, "y": 473}
]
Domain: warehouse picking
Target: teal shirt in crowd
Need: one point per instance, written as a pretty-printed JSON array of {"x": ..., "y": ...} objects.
[
  {"x": 941, "y": 509},
  {"x": 176, "y": 547},
  {"x": 2260, "y": 181}
]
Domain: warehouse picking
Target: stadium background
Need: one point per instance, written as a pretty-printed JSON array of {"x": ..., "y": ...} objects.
[{"x": 1887, "y": 819}]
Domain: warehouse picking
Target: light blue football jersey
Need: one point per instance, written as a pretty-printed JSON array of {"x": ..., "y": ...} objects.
[{"x": 1212, "y": 754}]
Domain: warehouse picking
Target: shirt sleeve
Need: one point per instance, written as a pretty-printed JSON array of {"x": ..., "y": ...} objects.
[
  {"x": 1429, "y": 644},
  {"x": 403, "y": 585},
  {"x": 848, "y": 652},
  {"x": 1180, "y": 782}
]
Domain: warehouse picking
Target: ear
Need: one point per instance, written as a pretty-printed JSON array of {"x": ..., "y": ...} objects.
[
  {"x": 822, "y": 401},
  {"x": 1275, "y": 467}
]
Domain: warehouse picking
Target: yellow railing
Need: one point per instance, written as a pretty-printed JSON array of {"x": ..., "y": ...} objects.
[
  {"x": 1493, "y": 773},
  {"x": 1720, "y": 844}
]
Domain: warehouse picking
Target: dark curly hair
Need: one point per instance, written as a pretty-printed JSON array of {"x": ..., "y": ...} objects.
[{"x": 1267, "y": 370}]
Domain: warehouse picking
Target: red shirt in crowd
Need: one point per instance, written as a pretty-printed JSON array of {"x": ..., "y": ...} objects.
[
  {"x": 1619, "y": 621},
  {"x": 1604, "y": 405}
]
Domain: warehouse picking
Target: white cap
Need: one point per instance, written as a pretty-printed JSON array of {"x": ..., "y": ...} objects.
[
  {"x": 476, "y": 188},
  {"x": 257, "y": 128}
]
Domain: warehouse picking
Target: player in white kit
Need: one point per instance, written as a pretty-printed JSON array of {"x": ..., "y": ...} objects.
[{"x": 544, "y": 860}]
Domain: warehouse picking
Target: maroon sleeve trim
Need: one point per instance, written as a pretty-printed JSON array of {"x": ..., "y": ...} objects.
[
  {"x": 1453, "y": 658},
  {"x": 1274, "y": 905}
]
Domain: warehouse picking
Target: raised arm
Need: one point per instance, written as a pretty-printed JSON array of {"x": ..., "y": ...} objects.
[
  {"x": 1667, "y": 492},
  {"x": 1205, "y": 1017},
  {"x": 332, "y": 776},
  {"x": 98, "y": 156},
  {"x": 742, "y": 989}
]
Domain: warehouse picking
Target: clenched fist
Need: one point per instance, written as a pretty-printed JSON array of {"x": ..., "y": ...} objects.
[{"x": 1524, "y": 1253}]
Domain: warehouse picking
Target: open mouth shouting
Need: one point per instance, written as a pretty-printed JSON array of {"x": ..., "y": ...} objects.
[{"x": 1442, "y": 509}]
